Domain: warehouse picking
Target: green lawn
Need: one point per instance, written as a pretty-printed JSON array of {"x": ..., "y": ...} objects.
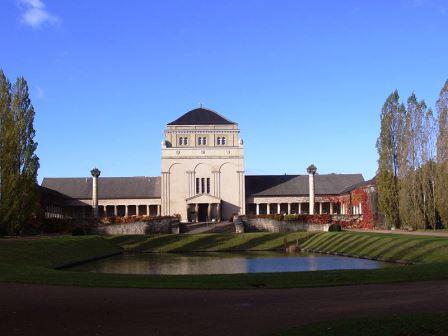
[
  {"x": 211, "y": 242},
  {"x": 408, "y": 248},
  {"x": 410, "y": 325},
  {"x": 34, "y": 260}
]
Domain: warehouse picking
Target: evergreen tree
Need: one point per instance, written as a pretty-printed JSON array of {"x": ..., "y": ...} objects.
[
  {"x": 388, "y": 146},
  {"x": 442, "y": 155}
]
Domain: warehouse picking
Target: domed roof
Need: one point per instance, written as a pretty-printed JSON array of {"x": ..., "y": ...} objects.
[{"x": 201, "y": 116}]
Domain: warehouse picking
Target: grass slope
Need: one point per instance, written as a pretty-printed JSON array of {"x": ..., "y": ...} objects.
[
  {"x": 416, "y": 249},
  {"x": 211, "y": 242},
  {"x": 409, "y": 325},
  {"x": 34, "y": 260}
]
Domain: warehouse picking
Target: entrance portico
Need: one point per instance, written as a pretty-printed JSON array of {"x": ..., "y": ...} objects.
[{"x": 203, "y": 208}]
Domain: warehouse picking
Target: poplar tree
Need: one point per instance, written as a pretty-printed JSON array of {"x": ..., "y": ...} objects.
[
  {"x": 428, "y": 169},
  {"x": 6, "y": 130},
  {"x": 388, "y": 163},
  {"x": 442, "y": 155},
  {"x": 26, "y": 163}
]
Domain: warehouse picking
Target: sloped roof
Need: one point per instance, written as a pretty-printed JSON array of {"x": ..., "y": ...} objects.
[
  {"x": 108, "y": 187},
  {"x": 201, "y": 116},
  {"x": 362, "y": 184},
  {"x": 289, "y": 185}
]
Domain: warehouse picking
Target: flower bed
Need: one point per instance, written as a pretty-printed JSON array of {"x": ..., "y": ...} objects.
[{"x": 132, "y": 219}]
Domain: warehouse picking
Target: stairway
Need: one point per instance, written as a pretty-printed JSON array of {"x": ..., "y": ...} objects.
[{"x": 210, "y": 227}]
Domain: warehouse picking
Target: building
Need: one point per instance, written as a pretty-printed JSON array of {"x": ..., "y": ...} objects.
[{"x": 202, "y": 179}]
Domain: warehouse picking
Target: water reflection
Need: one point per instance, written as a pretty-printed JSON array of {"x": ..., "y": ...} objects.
[{"x": 224, "y": 263}]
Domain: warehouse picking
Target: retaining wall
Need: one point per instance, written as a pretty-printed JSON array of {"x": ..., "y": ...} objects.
[
  {"x": 165, "y": 225},
  {"x": 272, "y": 225}
]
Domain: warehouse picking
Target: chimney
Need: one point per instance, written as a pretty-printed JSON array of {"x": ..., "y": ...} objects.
[
  {"x": 95, "y": 174},
  {"x": 311, "y": 171}
]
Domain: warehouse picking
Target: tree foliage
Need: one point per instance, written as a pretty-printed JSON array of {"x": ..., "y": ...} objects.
[
  {"x": 413, "y": 162},
  {"x": 388, "y": 162},
  {"x": 18, "y": 160},
  {"x": 442, "y": 155}
]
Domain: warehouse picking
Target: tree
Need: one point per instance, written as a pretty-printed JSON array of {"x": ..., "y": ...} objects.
[
  {"x": 388, "y": 163},
  {"x": 18, "y": 160},
  {"x": 27, "y": 162},
  {"x": 6, "y": 137},
  {"x": 428, "y": 169},
  {"x": 442, "y": 155}
]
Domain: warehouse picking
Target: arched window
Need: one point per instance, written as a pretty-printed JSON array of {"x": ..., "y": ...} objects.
[
  {"x": 185, "y": 141},
  {"x": 204, "y": 140},
  {"x": 218, "y": 141},
  {"x": 180, "y": 141},
  {"x": 199, "y": 141},
  {"x": 223, "y": 141}
]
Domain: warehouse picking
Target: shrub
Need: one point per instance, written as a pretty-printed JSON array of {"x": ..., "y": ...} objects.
[{"x": 334, "y": 228}]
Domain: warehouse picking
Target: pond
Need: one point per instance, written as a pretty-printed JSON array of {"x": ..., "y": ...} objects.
[{"x": 224, "y": 263}]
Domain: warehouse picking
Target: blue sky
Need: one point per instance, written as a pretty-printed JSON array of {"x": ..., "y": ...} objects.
[{"x": 304, "y": 79}]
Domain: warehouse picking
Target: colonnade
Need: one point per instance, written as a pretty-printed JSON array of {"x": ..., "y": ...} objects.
[
  {"x": 213, "y": 212},
  {"x": 331, "y": 208},
  {"x": 130, "y": 210}
]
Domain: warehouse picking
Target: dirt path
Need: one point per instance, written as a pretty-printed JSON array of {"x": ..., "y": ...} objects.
[{"x": 48, "y": 310}]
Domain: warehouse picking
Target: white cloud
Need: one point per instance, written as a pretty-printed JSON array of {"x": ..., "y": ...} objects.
[{"x": 35, "y": 14}]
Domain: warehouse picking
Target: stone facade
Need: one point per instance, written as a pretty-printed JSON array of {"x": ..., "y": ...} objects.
[
  {"x": 202, "y": 172},
  {"x": 202, "y": 179}
]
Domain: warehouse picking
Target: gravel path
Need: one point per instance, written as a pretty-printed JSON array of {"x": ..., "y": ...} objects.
[{"x": 53, "y": 310}]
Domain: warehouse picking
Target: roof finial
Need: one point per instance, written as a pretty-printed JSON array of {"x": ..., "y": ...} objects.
[{"x": 200, "y": 105}]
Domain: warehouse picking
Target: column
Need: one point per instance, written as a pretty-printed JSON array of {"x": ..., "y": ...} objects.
[
  {"x": 147, "y": 209},
  {"x": 137, "y": 211},
  {"x": 278, "y": 208},
  {"x": 165, "y": 193},
  {"x": 115, "y": 211},
  {"x": 331, "y": 208},
  {"x": 311, "y": 171},
  {"x": 218, "y": 211},
  {"x": 289, "y": 208},
  {"x": 105, "y": 211},
  {"x": 126, "y": 211},
  {"x": 268, "y": 208},
  {"x": 257, "y": 208},
  {"x": 191, "y": 187},
  {"x": 300, "y": 208},
  {"x": 95, "y": 174},
  {"x": 241, "y": 192},
  {"x": 320, "y": 208},
  {"x": 158, "y": 210},
  {"x": 209, "y": 212},
  {"x": 196, "y": 209}
]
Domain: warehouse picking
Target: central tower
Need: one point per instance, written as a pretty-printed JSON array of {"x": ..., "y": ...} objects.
[{"x": 202, "y": 167}]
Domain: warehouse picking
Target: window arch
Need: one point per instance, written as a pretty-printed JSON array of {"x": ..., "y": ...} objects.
[
  {"x": 218, "y": 141},
  {"x": 204, "y": 140},
  {"x": 200, "y": 141},
  {"x": 185, "y": 141},
  {"x": 223, "y": 140},
  {"x": 180, "y": 141}
]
